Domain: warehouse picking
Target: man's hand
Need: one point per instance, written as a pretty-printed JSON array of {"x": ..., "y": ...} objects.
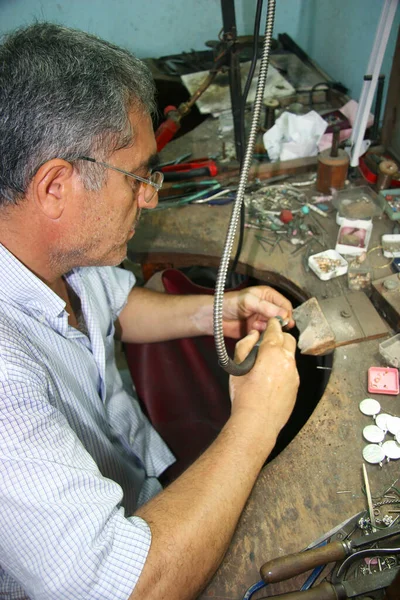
[
  {"x": 269, "y": 390},
  {"x": 193, "y": 519},
  {"x": 251, "y": 309}
]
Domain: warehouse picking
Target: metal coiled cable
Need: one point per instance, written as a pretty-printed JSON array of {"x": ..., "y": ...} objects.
[{"x": 226, "y": 363}]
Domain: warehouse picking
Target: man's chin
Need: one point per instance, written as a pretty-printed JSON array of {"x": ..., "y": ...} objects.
[{"x": 115, "y": 258}]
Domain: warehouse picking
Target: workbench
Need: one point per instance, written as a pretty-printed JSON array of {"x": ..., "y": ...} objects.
[{"x": 316, "y": 481}]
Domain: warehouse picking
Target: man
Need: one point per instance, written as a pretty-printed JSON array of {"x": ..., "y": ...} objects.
[{"x": 83, "y": 515}]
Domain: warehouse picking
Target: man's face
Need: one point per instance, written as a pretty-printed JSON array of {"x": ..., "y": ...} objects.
[{"x": 107, "y": 219}]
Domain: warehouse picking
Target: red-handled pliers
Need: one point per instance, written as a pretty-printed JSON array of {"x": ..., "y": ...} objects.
[{"x": 193, "y": 168}]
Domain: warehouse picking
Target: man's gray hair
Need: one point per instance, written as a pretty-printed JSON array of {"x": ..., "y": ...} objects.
[{"x": 65, "y": 94}]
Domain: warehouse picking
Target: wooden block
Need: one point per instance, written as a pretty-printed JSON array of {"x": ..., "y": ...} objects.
[
  {"x": 353, "y": 318},
  {"x": 316, "y": 336},
  {"x": 328, "y": 324}
]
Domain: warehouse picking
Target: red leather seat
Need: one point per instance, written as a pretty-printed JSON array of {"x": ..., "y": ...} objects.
[{"x": 183, "y": 390}]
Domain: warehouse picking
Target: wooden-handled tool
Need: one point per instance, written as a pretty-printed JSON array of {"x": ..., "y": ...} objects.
[
  {"x": 345, "y": 589},
  {"x": 286, "y": 567}
]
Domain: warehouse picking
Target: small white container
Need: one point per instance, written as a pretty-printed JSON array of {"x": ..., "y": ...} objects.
[
  {"x": 314, "y": 262},
  {"x": 391, "y": 240},
  {"x": 343, "y": 220},
  {"x": 360, "y": 228}
]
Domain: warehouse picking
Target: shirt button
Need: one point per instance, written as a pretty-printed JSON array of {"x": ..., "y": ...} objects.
[{"x": 42, "y": 319}]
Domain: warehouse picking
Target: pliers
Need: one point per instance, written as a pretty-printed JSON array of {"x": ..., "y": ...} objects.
[
  {"x": 194, "y": 168},
  {"x": 345, "y": 553}
]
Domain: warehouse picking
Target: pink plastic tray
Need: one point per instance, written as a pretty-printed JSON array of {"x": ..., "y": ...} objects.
[{"x": 383, "y": 380}]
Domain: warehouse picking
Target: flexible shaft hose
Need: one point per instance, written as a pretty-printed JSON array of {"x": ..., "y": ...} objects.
[{"x": 226, "y": 363}]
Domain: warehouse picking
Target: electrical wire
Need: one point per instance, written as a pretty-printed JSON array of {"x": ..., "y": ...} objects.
[{"x": 226, "y": 363}]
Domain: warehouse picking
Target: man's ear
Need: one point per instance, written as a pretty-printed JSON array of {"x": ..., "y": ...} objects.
[{"x": 52, "y": 186}]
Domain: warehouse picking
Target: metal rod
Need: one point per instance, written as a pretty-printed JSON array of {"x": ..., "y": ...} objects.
[
  {"x": 235, "y": 84},
  {"x": 369, "y": 499}
]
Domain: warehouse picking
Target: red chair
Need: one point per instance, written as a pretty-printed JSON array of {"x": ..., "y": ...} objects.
[{"x": 183, "y": 390}]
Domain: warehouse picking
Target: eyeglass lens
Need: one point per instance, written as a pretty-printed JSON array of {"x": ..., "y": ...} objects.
[{"x": 149, "y": 191}]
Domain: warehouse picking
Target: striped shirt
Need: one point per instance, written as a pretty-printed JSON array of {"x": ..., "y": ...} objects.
[{"x": 77, "y": 456}]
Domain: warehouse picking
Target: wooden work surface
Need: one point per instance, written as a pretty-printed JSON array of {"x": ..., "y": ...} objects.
[{"x": 316, "y": 482}]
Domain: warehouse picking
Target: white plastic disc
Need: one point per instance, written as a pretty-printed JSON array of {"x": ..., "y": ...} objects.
[
  {"x": 382, "y": 421},
  {"x": 373, "y": 454},
  {"x": 393, "y": 424},
  {"x": 370, "y": 407},
  {"x": 373, "y": 434},
  {"x": 391, "y": 449},
  {"x": 397, "y": 437}
]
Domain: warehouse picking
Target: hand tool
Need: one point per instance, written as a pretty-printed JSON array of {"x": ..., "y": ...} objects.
[
  {"x": 190, "y": 169},
  {"x": 341, "y": 531},
  {"x": 186, "y": 199},
  {"x": 218, "y": 195},
  {"x": 286, "y": 567},
  {"x": 345, "y": 589}
]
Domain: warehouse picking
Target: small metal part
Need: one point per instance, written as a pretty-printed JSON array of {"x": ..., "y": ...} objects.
[
  {"x": 391, "y": 449},
  {"x": 382, "y": 421},
  {"x": 282, "y": 321},
  {"x": 393, "y": 424},
  {"x": 373, "y": 454},
  {"x": 369, "y": 499},
  {"x": 370, "y": 407},
  {"x": 391, "y": 486},
  {"x": 390, "y": 285},
  {"x": 387, "y": 520},
  {"x": 383, "y": 502},
  {"x": 373, "y": 434}
]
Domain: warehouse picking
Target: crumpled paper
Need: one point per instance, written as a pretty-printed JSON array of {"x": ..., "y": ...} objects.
[{"x": 294, "y": 136}]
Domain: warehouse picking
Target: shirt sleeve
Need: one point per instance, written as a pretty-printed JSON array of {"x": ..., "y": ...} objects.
[
  {"x": 63, "y": 533},
  {"x": 117, "y": 284}
]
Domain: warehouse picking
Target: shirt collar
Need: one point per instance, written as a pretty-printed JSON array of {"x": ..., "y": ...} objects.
[{"x": 18, "y": 285}]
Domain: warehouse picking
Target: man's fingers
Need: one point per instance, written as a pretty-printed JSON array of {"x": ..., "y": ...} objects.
[
  {"x": 273, "y": 333},
  {"x": 289, "y": 343},
  {"x": 245, "y": 345},
  {"x": 275, "y": 336}
]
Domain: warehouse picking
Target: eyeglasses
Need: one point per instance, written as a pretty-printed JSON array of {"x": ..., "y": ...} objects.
[{"x": 152, "y": 185}]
